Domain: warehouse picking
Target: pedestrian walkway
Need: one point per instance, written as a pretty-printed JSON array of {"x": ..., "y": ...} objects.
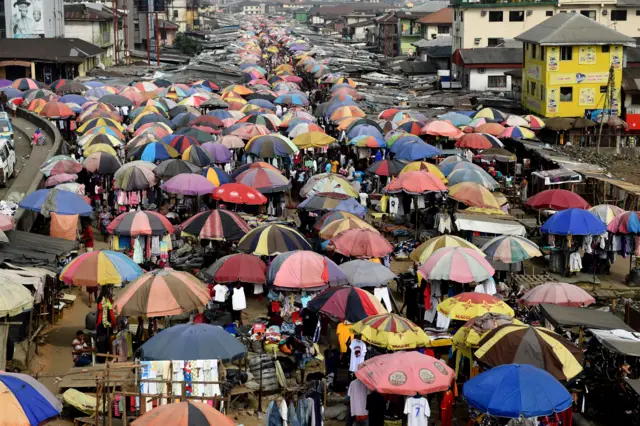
[{"x": 27, "y": 168}]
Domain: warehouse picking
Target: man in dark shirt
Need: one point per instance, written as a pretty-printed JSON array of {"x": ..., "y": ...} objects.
[{"x": 376, "y": 406}]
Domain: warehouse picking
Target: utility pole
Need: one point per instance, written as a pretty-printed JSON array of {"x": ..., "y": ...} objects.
[
  {"x": 148, "y": 15},
  {"x": 608, "y": 102},
  {"x": 125, "y": 28},
  {"x": 114, "y": 7},
  {"x": 157, "y": 41}
]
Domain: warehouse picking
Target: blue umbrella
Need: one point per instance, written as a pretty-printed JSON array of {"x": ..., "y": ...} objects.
[
  {"x": 12, "y": 93},
  {"x": 262, "y": 103},
  {"x": 365, "y": 130},
  {"x": 449, "y": 168},
  {"x": 292, "y": 100},
  {"x": 468, "y": 113},
  {"x": 395, "y": 147},
  {"x": 339, "y": 104},
  {"x": 220, "y": 113},
  {"x": 574, "y": 222},
  {"x": 26, "y": 401},
  {"x": 57, "y": 201},
  {"x": 471, "y": 175},
  {"x": 456, "y": 118},
  {"x": 515, "y": 390},
  {"x": 152, "y": 152},
  {"x": 183, "y": 119},
  {"x": 412, "y": 151},
  {"x": 97, "y": 92},
  {"x": 193, "y": 342},
  {"x": 73, "y": 99},
  {"x": 153, "y": 118},
  {"x": 94, "y": 84}
]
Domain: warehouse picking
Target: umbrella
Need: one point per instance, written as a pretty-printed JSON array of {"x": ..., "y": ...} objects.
[
  {"x": 346, "y": 303},
  {"x": 117, "y": 101},
  {"x": 365, "y": 273},
  {"x": 188, "y": 184},
  {"x": 327, "y": 182},
  {"x": 391, "y": 332},
  {"x": 557, "y": 294},
  {"x": 606, "y": 212},
  {"x": 271, "y": 240},
  {"x": 517, "y": 391},
  {"x": 333, "y": 201},
  {"x": 60, "y": 164},
  {"x": 517, "y": 133},
  {"x": 135, "y": 177},
  {"x": 47, "y": 201},
  {"x": 302, "y": 269},
  {"x": 219, "y": 153},
  {"x": 510, "y": 249},
  {"x": 26, "y": 401},
  {"x": 472, "y": 175},
  {"x": 102, "y": 267},
  {"x": 314, "y": 139},
  {"x": 626, "y": 223},
  {"x": 557, "y": 199},
  {"x": 365, "y": 141},
  {"x": 473, "y": 195},
  {"x": 493, "y": 129},
  {"x": 414, "y": 150},
  {"x": 559, "y": 123},
  {"x": 101, "y": 147},
  {"x": 337, "y": 226},
  {"x": 537, "y": 346},
  {"x": 219, "y": 225},
  {"x": 516, "y": 120},
  {"x": 456, "y": 118},
  {"x": 239, "y": 193},
  {"x": 465, "y": 306},
  {"x": 361, "y": 243},
  {"x": 574, "y": 222},
  {"x": 459, "y": 264},
  {"x": 239, "y": 267},
  {"x": 441, "y": 128},
  {"x": 472, "y": 332},
  {"x": 184, "y": 413},
  {"x": 140, "y": 223},
  {"x": 476, "y": 141},
  {"x": 197, "y": 156},
  {"x": 491, "y": 114},
  {"x": 173, "y": 167},
  {"x": 264, "y": 180},
  {"x": 449, "y": 168},
  {"x": 14, "y": 299},
  {"x": 416, "y": 183},
  {"x": 153, "y": 151},
  {"x": 424, "y": 251},
  {"x": 423, "y": 165},
  {"x": 327, "y": 218},
  {"x": 56, "y": 110},
  {"x": 583, "y": 123},
  {"x": 231, "y": 142},
  {"x": 405, "y": 373},
  {"x": 160, "y": 293},
  {"x": 497, "y": 154},
  {"x": 366, "y": 130},
  {"x": 216, "y": 175},
  {"x": 270, "y": 146},
  {"x": 27, "y": 84},
  {"x": 386, "y": 168},
  {"x": 179, "y": 142},
  {"x": 301, "y": 128}
]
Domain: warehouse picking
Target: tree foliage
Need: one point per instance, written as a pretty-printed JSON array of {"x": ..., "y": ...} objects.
[{"x": 188, "y": 45}]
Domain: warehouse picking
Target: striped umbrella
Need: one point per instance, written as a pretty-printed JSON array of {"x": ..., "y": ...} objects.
[
  {"x": 198, "y": 156},
  {"x": 491, "y": 114},
  {"x": 337, "y": 226},
  {"x": 216, "y": 175},
  {"x": 510, "y": 249},
  {"x": 173, "y": 167},
  {"x": 471, "y": 175},
  {"x": 333, "y": 201},
  {"x": 625, "y": 223},
  {"x": 303, "y": 269},
  {"x": 271, "y": 240},
  {"x": 537, "y": 346},
  {"x": 219, "y": 225},
  {"x": 180, "y": 142},
  {"x": 26, "y": 401},
  {"x": 327, "y": 218},
  {"x": 270, "y": 146},
  {"x": 185, "y": 413},
  {"x": 346, "y": 303},
  {"x": 386, "y": 168},
  {"x": 140, "y": 223},
  {"x": 473, "y": 195},
  {"x": 327, "y": 183},
  {"x": 465, "y": 306},
  {"x": 424, "y": 251},
  {"x": 462, "y": 265},
  {"x": 160, "y": 293},
  {"x": 135, "y": 178},
  {"x": 239, "y": 267},
  {"x": 557, "y": 294},
  {"x": 391, "y": 331},
  {"x": 264, "y": 180},
  {"x": 102, "y": 267},
  {"x": 60, "y": 164},
  {"x": 423, "y": 165},
  {"x": 606, "y": 212}
]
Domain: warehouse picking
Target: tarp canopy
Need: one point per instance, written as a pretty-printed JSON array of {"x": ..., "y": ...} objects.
[
  {"x": 567, "y": 316},
  {"x": 488, "y": 225},
  {"x": 558, "y": 176},
  {"x": 620, "y": 341},
  {"x": 27, "y": 249}
]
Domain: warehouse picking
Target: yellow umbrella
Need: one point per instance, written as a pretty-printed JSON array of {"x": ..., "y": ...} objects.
[
  {"x": 425, "y": 250},
  {"x": 473, "y": 195},
  {"x": 237, "y": 89},
  {"x": 423, "y": 165},
  {"x": 346, "y": 111},
  {"x": 313, "y": 140},
  {"x": 465, "y": 306},
  {"x": 391, "y": 331},
  {"x": 284, "y": 67},
  {"x": 344, "y": 123},
  {"x": 272, "y": 49},
  {"x": 99, "y": 148},
  {"x": 332, "y": 229}
]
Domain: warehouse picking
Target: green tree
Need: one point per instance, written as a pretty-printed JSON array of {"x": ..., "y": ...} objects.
[{"x": 188, "y": 45}]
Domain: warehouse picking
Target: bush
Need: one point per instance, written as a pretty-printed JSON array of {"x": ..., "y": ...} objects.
[{"x": 187, "y": 45}]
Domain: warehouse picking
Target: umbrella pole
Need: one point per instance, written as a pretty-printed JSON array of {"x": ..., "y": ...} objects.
[{"x": 416, "y": 207}]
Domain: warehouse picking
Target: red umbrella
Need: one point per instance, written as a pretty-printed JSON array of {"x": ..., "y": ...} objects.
[
  {"x": 416, "y": 183},
  {"x": 494, "y": 129},
  {"x": 249, "y": 130},
  {"x": 361, "y": 243},
  {"x": 55, "y": 109},
  {"x": 474, "y": 141},
  {"x": 557, "y": 199},
  {"x": 239, "y": 193},
  {"x": 557, "y": 294},
  {"x": 350, "y": 303},
  {"x": 207, "y": 120},
  {"x": 242, "y": 267}
]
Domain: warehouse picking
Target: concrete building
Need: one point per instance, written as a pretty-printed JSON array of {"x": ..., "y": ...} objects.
[
  {"x": 437, "y": 23},
  {"x": 572, "y": 64},
  {"x": 483, "y": 69},
  {"x": 484, "y": 23}
]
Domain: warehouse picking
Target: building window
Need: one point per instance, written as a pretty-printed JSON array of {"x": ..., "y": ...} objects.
[
  {"x": 542, "y": 53},
  {"x": 589, "y": 14},
  {"x": 497, "y": 82},
  {"x": 175, "y": 14},
  {"x": 542, "y": 92},
  {"x": 566, "y": 53},
  {"x": 495, "y": 16},
  {"x": 493, "y": 42},
  {"x": 618, "y": 15},
  {"x": 605, "y": 49},
  {"x": 461, "y": 16},
  {"x": 534, "y": 51},
  {"x": 533, "y": 88},
  {"x": 549, "y": 13},
  {"x": 443, "y": 29},
  {"x": 566, "y": 94},
  {"x": 516, "y": 16},
  {"x": 603, "y": 89}
]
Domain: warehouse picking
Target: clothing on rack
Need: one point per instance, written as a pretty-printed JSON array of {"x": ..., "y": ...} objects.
[
  {"x": 575, "y": 262},
  {"x": 382, "y": 294}
]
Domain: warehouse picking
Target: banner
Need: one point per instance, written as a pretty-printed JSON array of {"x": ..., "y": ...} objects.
[
  {"x": 553, "y": 54},
  {"x": 552, "y": 100},
  {"x": 577, "y": 78},
  {"x": 587, "y": 96},
  {"x": 616, "y": 57},
  {"x": 587, "y": 55},
  {"x": 534, "y": 72},
  {"x": 27, "y": 19}
]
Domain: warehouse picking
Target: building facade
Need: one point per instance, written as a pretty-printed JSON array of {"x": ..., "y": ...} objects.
[{"x": 33, "y": 18}]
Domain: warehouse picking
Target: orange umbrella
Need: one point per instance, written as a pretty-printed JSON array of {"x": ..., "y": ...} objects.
[
  {"x": 185, "y": 413},
  {"x": 494, "y": 129},
  {"x": 346, "y": 111},
  {"x": 416, "y": 183},
  {"x": 441, "y": 128}
]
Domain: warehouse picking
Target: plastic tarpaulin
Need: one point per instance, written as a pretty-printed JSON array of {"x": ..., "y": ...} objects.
[
  {"x": 620, "y": 341},
  {"x": 64, "y": 226},
  {"x": 489, "y": 225}
]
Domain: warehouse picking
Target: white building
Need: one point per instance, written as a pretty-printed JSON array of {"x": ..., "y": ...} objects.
[{"x": 483, "y": 69}]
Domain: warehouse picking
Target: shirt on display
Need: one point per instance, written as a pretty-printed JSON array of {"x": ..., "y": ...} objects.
[
  {"x": 358, "y": 351},
  {"x": 357, "y": 394},
  {"x": 417, "y": 411},
  {"x": 238, "y": 300},
  {"x": 221, "y": 292}
]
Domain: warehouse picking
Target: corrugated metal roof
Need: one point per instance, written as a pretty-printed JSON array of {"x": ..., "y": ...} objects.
[
  {"x": 442, "y": 16},
  {"x": 573, "y": 29},
  {"x": 491, "y": 55}
]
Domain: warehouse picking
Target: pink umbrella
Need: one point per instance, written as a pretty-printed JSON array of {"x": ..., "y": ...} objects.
[
  {"x": 361, "y": 243},
  {"x": 6, "y": 222},
  {"x": 557, "y": 294},
  {"x": 462, "y": 265},
  {"x": 303, "y": 269},
  {"x": 416, "y": 182},
  {"x": 405, "y": 373},
  {"x": 189, "y": 184},
  {"x": 441, "y": 128},
  {"x": 60, "y": 178}
]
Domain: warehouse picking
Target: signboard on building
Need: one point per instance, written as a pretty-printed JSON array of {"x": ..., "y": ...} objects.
[
  {"x": 27, "y": 19},
  {"x": 579, "y": 77},
  {"x": 587, "y": 96},
  {"x": 587, "y": 55},
  {"x": 552, "y": 58}
]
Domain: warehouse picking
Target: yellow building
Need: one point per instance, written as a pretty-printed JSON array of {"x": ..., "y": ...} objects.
[{"x": 570, "y": 63}]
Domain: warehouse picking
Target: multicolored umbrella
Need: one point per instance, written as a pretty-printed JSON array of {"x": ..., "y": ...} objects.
[
  {"x": 333, "y": 201},
  {"x": 327, "y": 218},
  {"x": 135, "y": 177},
  {"x": 361, "y": 243},
  {"x": 140, "y": 223},
  {"x": 466, "y": 306},
  {"x": 366, "y": 273},
  {"x": 471, "y": 333},
  {"x": 517, "y": 133},
  {"x": 301, "y": 128},
  {"x": 386, "y": 168},
  {"x": 459, "y": 264},
  {"x": 184, "y": 413},
  {"x": 302, "y": 269},
  {"x": 27, "y": 84},
  {"x": 102, "y": 267},
  {"x": 188, "y": 184},
  {"x": 606, "y": 212},
  {"x": 557, "y": 294},
  {"x": 160, "y": 293},
  {"x": 180, "y": 142},
  {"x": 197, "y": 156},
  {"x": 424, "y": 251},
  {"x": 26, "y": 401},
  {"x": 264, "y": 180},
  {"x": 574, "y": 222},
  {"x": 391, "y": 332},
  {"x": 537, "y": 346},
  {"x": 218, "y": 152},
  {"x": 47, "y": 201},
  {"x": 346, "y": 303},
  {"x": 477, "y": 141},
  {"x": 497, "y": 154},
  {"x": 238, "y": 193},
  {"x": 473, "y": 175},
  {"x": 510, "y": 249},
  {"x": 416, "y": 183},
  {"x": 173, "y": 167},
  {"x": 60, "y": 164},
  {"x": 152, "y": 152},
  {"x": 314, "y": 139},
  {"x": 231, "y": 142},
  {"x": 405, "y": 373},
  {"x": 61, "y": 178},
  {"x": 216, "y": 175},
  {"x": 473, "y": 195},
  {"x": 423, "y": 165},
  {"x": 239, "y": 267},
  {"x": 535, "y": 123},
  {"x": 271, "y": 146},
  {"x": 625, "y": 223},
  {"x": 56, "y": 110},
  {"x": 337, "y": 226},
  {"x": 218, "y": 225},
  {"x": 491, "y": 114},
  {"x": 327, "y": 182}
]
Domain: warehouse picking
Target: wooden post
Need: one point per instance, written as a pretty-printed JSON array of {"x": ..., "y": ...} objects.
[
  {"x": 581, "y": 338},
  {"x": 4, "y": 336}
]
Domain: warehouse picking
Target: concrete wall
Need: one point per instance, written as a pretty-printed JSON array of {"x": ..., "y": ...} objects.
[{"x": 476, "y": 80}]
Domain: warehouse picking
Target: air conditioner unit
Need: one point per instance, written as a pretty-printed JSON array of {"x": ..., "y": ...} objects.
[
  {"x": 481, "y": 70},
  {"x": 476, "y": 40},
  {"x": 529, "y": 12},
  {"x": 604, "y": 12},
  {"x": 483, "y": 13}
]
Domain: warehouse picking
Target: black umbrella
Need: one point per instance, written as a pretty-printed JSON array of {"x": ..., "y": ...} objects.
[
  {"x": 117, "y": 101},
  {"x": 72, "y": 87},
  {"x": 162, "y": 83},
  {"x": 173, "y": 167},
  {"x": 265, "y": 96},
  {"x": 179, "y": 109},
  {"x": 214, "y": 103},
  {"x": 200, "y": 136}
]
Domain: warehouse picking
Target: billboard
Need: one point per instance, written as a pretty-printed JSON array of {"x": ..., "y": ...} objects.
[{"x": 27, "y": 18}]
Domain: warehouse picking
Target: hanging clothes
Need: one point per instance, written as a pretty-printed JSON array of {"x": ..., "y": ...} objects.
[
  {"x": 382, "y": 294},
  {"x": 575, "y": 262},
  {"x": 138, "y": 253}
]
